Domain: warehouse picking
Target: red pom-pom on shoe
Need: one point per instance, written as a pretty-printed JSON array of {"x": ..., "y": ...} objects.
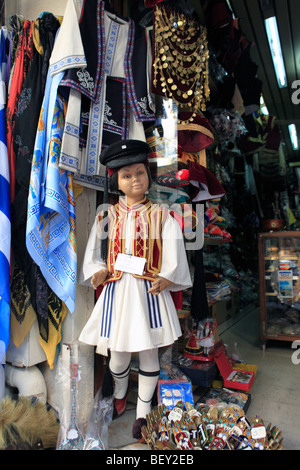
[
  {"x": 182, "y": 175},
  {"x": 137, "y": 428}
]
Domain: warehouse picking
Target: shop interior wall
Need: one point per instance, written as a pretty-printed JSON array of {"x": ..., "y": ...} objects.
[
  {"x": 32, "y": 9},
  {"x": 85, "y": 213}
]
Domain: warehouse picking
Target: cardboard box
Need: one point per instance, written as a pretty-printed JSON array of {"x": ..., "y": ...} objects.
[
  {"x": 223, "y": 310},
  {"x": 200, "y": 373},
  {"x": 237, "y": 378}
]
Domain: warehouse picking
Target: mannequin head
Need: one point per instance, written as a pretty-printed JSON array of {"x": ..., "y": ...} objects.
[
  {"x": 132, "y": 180},
  {"x": 126, "y": 162}
]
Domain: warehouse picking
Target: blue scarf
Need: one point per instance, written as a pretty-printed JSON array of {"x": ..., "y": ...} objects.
[{"x": 50, "y": 231}]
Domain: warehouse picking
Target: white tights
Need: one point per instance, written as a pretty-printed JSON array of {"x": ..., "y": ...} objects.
[{"x": 119, "y": 365}]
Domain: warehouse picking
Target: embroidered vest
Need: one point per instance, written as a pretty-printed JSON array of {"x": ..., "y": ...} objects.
[{"x": 147, "y": 222}]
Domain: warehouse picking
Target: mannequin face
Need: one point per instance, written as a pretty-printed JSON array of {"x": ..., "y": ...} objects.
[{"x": 133, "y": 181}]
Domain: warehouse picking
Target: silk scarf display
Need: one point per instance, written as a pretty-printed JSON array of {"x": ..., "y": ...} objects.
[
  {"x": 31, "y": 297},
  {"x": 50, "y": 233}
]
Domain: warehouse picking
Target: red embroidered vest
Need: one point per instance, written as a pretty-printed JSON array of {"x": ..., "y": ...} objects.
[{"x": 147, "y": 219}]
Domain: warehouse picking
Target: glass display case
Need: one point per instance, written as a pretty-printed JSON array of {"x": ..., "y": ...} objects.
[{"x": 279, "y": 273}]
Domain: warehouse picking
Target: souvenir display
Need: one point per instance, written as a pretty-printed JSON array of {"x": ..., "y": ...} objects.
[
  {"x": 204, "y": 427},
  {"x": 236, "y": 378},
  {"x": 174, "y": 392},
  {"x": 201, "y": 340},
  {"x": 223, "y": 397},
  {"x": 279, "y": 285}
]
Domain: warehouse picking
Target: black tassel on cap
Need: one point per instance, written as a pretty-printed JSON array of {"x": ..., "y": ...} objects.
[{"x": 104, "y": 242}]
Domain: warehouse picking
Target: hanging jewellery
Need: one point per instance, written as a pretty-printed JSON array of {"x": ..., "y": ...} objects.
[{"x": 180, "y": 65}]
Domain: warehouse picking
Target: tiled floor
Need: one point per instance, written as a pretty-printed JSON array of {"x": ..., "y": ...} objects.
[{"x": 275, "y": 394}]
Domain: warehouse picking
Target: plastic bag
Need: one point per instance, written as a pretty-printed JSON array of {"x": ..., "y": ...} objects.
[
  {"x": 205, "y": 334},
  {"x": 169, "y": 371},
  {"x": 97, "y": 428},
  {"x": 68, "y": 376}
]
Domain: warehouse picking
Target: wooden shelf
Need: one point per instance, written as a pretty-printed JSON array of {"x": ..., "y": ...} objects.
[
  {"x": 216, "y": 241},
  {"x": 182, "y": 313}
]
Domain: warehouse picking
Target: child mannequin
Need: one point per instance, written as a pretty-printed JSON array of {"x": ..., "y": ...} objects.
[{"x": 135, "y": 311}]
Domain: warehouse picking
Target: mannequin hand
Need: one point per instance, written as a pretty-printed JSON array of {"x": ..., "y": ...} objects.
[
  {"x": 99, "y": 277},
  {"x": 159, "y": 284}
]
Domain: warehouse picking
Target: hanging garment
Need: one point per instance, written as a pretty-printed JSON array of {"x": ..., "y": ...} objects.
[
  {"x": 22, "y": 312},
  {"x": 16, "y": 24},
  {"x": 24, "y": 55},
  {"x": 199, "y": 303},
  {"x": 31, "y": 297},
  {"x": 50, "y": 232},
  {"x": 5, "y": 224},
  {"x": 107, "y": 65},
  {"x": 24, "y": 134}
]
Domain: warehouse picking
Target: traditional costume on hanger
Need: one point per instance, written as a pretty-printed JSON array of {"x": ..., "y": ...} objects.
[{"x": 105, "y": 65}]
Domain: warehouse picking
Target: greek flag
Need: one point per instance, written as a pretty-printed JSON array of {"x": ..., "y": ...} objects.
[{"x": 5, "y": 227}]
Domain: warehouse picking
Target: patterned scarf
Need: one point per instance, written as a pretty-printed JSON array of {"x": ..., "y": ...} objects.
[{"x": 24, "y": 55}]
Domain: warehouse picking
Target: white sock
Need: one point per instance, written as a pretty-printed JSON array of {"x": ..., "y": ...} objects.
[
  {"x": 147, "y": 381},
  {"x": 119, "y": 366}
]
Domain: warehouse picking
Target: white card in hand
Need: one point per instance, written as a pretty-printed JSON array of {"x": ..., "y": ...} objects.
[{"x": 130, "y": 264}]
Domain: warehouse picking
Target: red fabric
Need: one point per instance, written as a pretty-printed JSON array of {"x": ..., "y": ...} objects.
[
  {"x": 177, "y": 299},
  {"x": 219, "y": 14},
  {"x": 24, "y": 56},
  {"x": 195, "y": 135},
  {"x": 199, "y": 173},
  {"x": 151, "y": 3}
]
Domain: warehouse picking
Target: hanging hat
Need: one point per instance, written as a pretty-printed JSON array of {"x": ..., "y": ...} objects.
[
  {"x": 202, "y": 184},
  {"x": 174, "y": 179},
  {"x": 194, "y": 133},
  {"x": 219, "y": 14}
]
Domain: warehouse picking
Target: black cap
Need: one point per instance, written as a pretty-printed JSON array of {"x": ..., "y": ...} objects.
[
  {"x": 118, "y": 155},
  {"x": 123, "y": 153}
]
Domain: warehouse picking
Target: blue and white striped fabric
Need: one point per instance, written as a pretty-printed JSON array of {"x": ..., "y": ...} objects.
[
  {"x": 107, "y": 309},
  {"x": 5, "y": 225},
  {"x": 153, "y": 307}
]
